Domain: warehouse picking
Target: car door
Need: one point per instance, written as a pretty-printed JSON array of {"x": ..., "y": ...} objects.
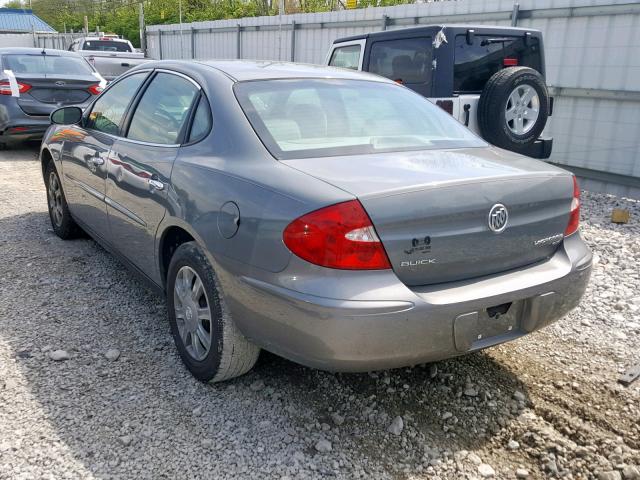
[
  {"x": 86, "y": 152},
  {"x": 140, "y": 163}
]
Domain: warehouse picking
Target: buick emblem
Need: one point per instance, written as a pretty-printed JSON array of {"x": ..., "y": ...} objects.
[
  {"x": 498, "y": 218},
  {"x": 60, "y": 83}
]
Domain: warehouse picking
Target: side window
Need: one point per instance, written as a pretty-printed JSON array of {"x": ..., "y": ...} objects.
[
  {"x": 406, "y": 60},
  {"x": 163, "y": 110},
  {"x": 108, "y": 111},
  {"x": 201, "y": 121},
  {"x": 474, "y": 64},
  {"x": 346, "y": 57}
]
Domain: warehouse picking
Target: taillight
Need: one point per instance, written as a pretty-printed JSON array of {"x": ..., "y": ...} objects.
[
  {"x": 510, "y": 62},
  {"x": 5, "y": 88},
  {"x": 446, "y": 105},
  {"x": 95, "y": 89},
  {"x": 339, "y": 236},
  {"x": 574, "y": 215}
]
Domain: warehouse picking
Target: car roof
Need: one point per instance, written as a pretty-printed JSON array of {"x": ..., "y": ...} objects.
[
  {"x": 36, "y": 51},
  {"x": 456, "y": 27},
  {"x": 246, "y": 70}
]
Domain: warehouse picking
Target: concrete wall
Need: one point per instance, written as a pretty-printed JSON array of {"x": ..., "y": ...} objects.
[{"x": 16, "y": 40}]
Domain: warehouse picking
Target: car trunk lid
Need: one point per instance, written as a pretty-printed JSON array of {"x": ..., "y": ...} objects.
[
  {"x": 49, "y": 92},
  {"x": 431, "y": 209}
]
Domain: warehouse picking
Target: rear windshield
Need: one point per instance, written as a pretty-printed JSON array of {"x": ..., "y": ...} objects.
[
  {"x": 305, "y": 118},
  {"x": 46, "y": 64},
  {"x": 106, "y": 46},
  {"x": 488, "y": 54}
]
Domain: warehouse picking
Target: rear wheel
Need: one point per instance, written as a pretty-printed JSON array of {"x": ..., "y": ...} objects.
[
  {"x": 62, "y": 222},
  {"x": 209, "y": 343},
  {"x": 513, "y": 108}
]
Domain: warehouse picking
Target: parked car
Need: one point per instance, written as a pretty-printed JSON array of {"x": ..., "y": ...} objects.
[
  {"x": 34, "y": 82},
  {"x": 491, "y": 79},
  {"x": 332, "y": 217},
  {"x": 110, "y": 55}
]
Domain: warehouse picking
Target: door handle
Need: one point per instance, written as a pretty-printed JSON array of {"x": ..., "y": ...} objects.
[
  {"x": 157, "y": 184},
  {"x": 97, "y": 160},
  {"x": 466, "y": 109}
]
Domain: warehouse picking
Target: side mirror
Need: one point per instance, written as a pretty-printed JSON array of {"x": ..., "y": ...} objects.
[{"x": 66, "y": 116}]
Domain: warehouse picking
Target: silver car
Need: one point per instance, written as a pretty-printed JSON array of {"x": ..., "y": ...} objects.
[
  {"x": 36, "y": 81},
  {"x": 332, "y": 217}
]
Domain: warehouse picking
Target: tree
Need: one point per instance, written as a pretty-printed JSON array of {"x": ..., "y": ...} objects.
[{"x": 15, "y": 4}]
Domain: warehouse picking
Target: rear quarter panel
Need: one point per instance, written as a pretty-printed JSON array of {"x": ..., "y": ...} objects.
[{"x": 232, "y": 165}]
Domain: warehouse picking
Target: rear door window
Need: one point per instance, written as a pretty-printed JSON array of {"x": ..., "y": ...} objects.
[
  {"x": 201, "y": 121},
  {"x": 488, "y": 54},
  {"x": 346, "y": 57},
  {"x": 406, "y": 61},
  {"x": 163, "y": 110}
]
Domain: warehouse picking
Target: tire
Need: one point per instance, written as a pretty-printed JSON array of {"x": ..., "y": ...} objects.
[
  {"x": 511, "y": 128},
  {"x": 62, "y": 222},
  {"x": 230, "y": 354}
]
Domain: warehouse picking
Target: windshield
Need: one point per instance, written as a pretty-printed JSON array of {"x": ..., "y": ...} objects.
[
  {"x": 46, "y": 64},
  {"x": 321, "y": 118},
  {"x": 106, "y": 46}
]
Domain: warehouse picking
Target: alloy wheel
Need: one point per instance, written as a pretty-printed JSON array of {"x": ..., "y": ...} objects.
[
  {"x": 55, "y": 199},
  {"x": 193, "y": 315},
  {"x": 522, "y": 109}
]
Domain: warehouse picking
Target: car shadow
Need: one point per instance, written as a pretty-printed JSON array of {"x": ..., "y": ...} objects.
[
  {"x": 20, "y": 150},
  {"x": 143, "y": 411}
]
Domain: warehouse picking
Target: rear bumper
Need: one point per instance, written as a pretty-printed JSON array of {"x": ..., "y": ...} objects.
[
  {"x": 540, "y": 149},
  {"x": 16, "y": 124},
  {"x": 24, "y": 129},
  {"x": 388, "y": 325}
]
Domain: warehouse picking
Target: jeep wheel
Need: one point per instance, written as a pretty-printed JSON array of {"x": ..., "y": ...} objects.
[{"x": 513, "y": 108}]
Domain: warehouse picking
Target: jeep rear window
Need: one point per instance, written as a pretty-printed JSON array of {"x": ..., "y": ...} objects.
[
  {"x": 406, "y": 60},
  {"x": 476, "y": 63}
]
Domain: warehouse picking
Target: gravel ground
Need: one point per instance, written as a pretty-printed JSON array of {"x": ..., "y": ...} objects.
[{"x": 118, "y": 403}]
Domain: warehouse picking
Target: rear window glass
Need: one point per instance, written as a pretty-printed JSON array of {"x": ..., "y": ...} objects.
[
  {"x": 201, "y": 121},
  {"x": 320, "y": 118},
  {"x": 406, "y": 60},
  {"x": 488, "y": 54},
  {"x": 106, "y": 46},
  {"x": 163, "y": 110},
  {"x": 346, "y": 57},
  {"x": 46, "y": 64}
]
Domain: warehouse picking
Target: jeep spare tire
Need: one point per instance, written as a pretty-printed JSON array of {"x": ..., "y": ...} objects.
[{"x": 513, "y": 108}]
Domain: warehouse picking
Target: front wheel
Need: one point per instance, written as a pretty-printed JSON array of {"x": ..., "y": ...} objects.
[
  {"x": 62, "y": 222},
  {"x": 209, "y": 342}
]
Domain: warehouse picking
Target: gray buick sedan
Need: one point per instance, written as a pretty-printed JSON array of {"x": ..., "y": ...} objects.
[{"x": 332, "y": 217}]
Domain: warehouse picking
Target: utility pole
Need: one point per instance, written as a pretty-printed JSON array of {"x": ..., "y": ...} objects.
[
  {"x": 143, "y": 33},
  {"x": 280, "y": 12},
  {"x": 181, "y": 37},
  {"x": 86, "y": 25}
]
